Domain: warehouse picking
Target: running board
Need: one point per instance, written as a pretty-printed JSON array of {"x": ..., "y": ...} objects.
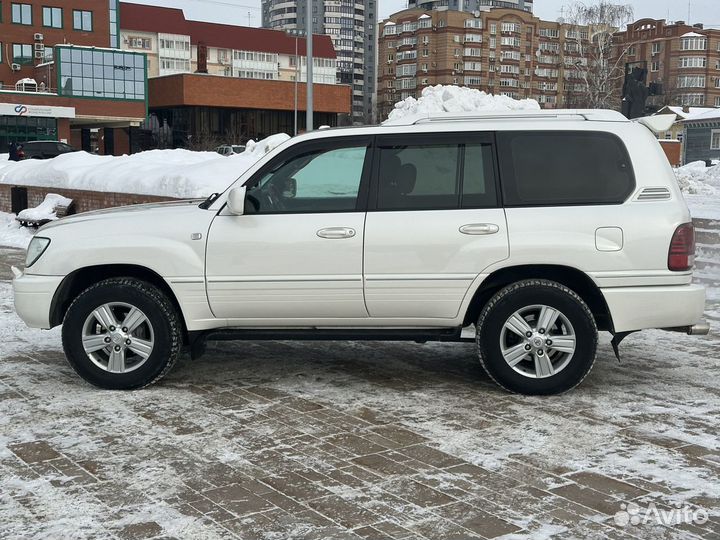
[
  {"x": 335, "y": 334},
  {"x": 198, "y": 340}
]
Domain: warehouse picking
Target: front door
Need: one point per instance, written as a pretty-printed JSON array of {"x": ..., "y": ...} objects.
[
  {"x": 433, "y": 224},
  {"x": 297, "y": 251}
]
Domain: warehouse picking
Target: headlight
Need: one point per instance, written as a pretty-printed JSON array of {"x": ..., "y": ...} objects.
[{"x": 37, "y": 247}]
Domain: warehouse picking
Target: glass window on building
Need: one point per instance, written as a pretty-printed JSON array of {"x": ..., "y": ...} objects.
[
  {"x": 23, "y": 128},
  {"x": 52, "y": 17},
  {"x": 105, "y": 74},
  {"x": 22, "y": 14},
  {"x": 82, "y": 20},
  {"x": 115, "y": 24},
  {"x": 22, "y": 54}
]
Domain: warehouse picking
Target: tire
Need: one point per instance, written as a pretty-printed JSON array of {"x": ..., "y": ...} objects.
[
  {"x": 128, "y": 357},
  {"x": 559, "y": 357}
]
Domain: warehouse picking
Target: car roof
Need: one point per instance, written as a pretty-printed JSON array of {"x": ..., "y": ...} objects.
[{"x": 545, "y": 119}]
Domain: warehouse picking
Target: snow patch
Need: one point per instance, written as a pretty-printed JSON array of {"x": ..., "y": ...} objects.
[
  {"x": 46, "y": 210},
  {"x": 701, "y": 187},
  {"x": 166, "y": 173},
  {"x": 12, "y": 234},
  {"x": 457, "y": 99}
]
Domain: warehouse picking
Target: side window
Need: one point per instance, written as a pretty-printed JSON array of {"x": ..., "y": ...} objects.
[
  {"x": 436, "y": 176},
  {"x": 562, "y": 168},
  {"x": 316, "y": 181}
]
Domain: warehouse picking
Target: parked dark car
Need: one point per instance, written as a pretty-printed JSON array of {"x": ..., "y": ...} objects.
[{"x": 44, "y": 149}]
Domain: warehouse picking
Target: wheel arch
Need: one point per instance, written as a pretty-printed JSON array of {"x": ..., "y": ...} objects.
[
  {"x": 82, "y": 278},
  {"x": 572, "y": 278}
]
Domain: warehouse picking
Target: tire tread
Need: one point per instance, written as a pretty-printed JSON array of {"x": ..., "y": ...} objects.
[
  {"x": 163, "y": 302},
  {"x": 520, "y": 285}
]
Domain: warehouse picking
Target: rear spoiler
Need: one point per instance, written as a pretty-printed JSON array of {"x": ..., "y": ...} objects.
[{"x": 658, "y": 123}]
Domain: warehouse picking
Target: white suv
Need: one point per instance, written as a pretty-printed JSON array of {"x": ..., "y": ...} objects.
[{"x": 535, "y": 230}]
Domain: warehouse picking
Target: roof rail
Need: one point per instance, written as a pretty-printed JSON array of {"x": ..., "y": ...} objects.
[{"x": 598, "y": 115}]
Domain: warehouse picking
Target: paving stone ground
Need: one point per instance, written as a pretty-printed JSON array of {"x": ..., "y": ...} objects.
[{"x": 285, "y": 440}]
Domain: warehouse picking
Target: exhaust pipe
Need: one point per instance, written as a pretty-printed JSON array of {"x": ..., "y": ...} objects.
[{"x": 699, "y": 329}]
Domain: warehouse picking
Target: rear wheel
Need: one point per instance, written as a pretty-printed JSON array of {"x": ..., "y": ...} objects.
[
  {"x": 121, "y": 333},
  {"x": 537, "y": 337}
]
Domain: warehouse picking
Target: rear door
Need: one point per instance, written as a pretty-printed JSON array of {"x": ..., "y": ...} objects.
[{"x": 433, "y": 225}]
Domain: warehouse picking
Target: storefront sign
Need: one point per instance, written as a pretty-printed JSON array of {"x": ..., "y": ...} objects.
[{"x": 19, "y": 109}]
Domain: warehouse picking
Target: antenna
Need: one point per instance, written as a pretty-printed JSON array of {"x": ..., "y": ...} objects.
[{"x": 689, "y": 5}]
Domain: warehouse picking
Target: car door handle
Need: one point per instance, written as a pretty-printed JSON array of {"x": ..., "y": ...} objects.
[
  {"x": 336, "y": 232},
  {"x": 479, "y": 228}
]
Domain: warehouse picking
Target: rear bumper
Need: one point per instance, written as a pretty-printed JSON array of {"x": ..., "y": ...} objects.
[
  {"x": 33, "y": 298},
  {"x": 638, "y": 308}
]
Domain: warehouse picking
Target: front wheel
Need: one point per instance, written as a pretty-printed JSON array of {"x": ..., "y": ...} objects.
[
  {"x": 537, "y": 337},
  {"x": 121, "y": 333}
]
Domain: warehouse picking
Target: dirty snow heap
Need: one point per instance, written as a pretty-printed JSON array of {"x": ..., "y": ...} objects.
[
  {"x": 458, "y": 99},
  {"x": 701, "y": 187}
]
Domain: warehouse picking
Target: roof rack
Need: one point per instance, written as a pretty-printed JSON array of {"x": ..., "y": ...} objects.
[{"x": 597, "y": 115}]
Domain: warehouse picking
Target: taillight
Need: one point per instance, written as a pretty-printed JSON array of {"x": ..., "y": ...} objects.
[{"x": 681, "y": 256}]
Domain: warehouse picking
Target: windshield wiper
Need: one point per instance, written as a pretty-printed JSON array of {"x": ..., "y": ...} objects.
[{"x": 208, "y": 202}]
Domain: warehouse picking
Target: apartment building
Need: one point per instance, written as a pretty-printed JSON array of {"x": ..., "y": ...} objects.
[
  {"x": 228, "y": 83},
  {"x": 501, "y": 51},
  {"x": 471, "y": 5},
  {"x": 352, "y": 25},
  {"x": 174, "y": 44},
  {"x": 87, "y": 94},
  {"x": 684, "y": 59}
]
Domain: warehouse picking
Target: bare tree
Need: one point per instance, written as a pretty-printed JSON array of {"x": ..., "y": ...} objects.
[
  {"x": 204, "y": 141},
  {"x": 600, "y": 68}
]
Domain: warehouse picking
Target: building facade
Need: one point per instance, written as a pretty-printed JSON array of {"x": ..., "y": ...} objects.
[
  {"x": 684, "y": 59},
  {"x": 201, "y": 73},
  {"x": 86, "y": 94},
  {"x": 500, "y": 51},
  {"x": 352, "y": 25},
  {"x": 471, "y": 5},
  {"x": 702, "y": 137}
]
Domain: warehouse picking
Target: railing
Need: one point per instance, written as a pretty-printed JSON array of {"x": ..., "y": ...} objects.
[{"x": 28, "y": 89}]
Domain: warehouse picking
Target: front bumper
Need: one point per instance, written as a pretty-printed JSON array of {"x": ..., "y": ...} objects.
[
  {"x": 639, "y": 308},
  {"x": 33, "y": 298}
]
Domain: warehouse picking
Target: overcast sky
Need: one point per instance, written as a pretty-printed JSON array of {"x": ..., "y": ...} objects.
[{"x": 247, "y": 12}]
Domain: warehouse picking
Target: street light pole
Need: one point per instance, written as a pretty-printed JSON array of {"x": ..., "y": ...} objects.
[
  {"x": 297, "y": 34},
  {"x": 297, "y": 74},
  {"x": 309, "y": 83}
]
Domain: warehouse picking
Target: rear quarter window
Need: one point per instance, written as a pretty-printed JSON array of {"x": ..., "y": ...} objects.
[{"x": 550, "y": 168}]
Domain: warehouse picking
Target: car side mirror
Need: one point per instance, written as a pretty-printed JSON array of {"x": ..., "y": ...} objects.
[{"x": 236, "y": 200}]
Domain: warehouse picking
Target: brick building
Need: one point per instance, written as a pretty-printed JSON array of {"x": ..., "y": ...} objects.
[
  {"x": 684, "y": 59},
  {"x": 501, "y": 51},
  {"x": 227, "y": 84},
  {"x": 86, "y": 94},
  {"x": 352, "y": 26}
]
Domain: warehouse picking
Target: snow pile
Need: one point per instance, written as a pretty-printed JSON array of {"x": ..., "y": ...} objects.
[
  {"x": 12, "y": 234},
  {"x": 4, "y": 157},
  {"x": 168, "y": 173},
  {"x": 46, "y": 209},
  {"x": 701, "y": 187},
  {"x": 457, "y": 99},
  {"x": 697, "y": 179}
]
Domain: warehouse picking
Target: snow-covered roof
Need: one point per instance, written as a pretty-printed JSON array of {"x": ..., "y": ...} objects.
[
  {"x": 692, "y": 34},
  {"x": 708, "y": 115},
  {"x": 692, "y": 111}
]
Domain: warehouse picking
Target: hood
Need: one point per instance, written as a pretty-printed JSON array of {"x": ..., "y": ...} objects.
[{"x": 120, "y": 211}]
